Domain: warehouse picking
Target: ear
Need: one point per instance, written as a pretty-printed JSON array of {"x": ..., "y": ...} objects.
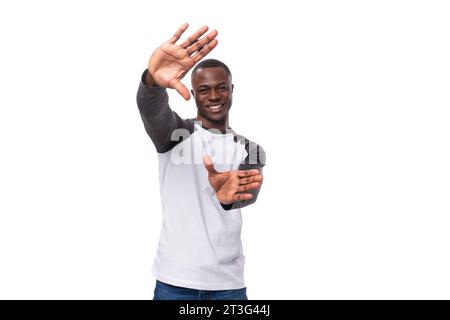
[
  {"x": 232, "y": 88},
  {"x": 192, "y": 92}
]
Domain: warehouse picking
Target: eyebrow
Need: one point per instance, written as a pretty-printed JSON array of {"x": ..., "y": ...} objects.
[{"x": 207, "y": 86}]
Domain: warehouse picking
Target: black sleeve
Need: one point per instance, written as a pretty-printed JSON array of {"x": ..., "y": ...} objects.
[
  {"x": 159, "y": 120},
  {"x": 256, "y": 159}
]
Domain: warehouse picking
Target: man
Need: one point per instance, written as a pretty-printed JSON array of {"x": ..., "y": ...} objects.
[{"x": 207, "y": 173}]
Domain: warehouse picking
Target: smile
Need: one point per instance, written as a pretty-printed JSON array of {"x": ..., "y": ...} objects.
[{"x": 215, "y": 107}]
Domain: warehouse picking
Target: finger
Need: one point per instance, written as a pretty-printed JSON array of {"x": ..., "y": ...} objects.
[
  {"x": 186, "y": 43},
  {"x": 247, "y": 173},
  {"x": 209, "y": 164},
  {"x": 247, "y": 187},
  {"x": 195, "y": 46},
  {"x": 257, "y": 178},
  {"x": 204, "y": 51},
  {"x": 179, "y": 32},
  {"x": 243, "y": 196},
  {"x": 181, "y": 88}
]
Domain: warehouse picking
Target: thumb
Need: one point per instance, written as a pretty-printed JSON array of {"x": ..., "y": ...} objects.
[
  {"x": 181, "y": 88},
  {"x": 209, "y": 164}
]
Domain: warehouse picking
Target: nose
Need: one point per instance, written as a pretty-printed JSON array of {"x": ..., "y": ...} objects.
[{"x": 213, "y": 95}]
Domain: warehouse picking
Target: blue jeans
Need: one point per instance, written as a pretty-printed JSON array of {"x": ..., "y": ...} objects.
[{"x": 164, "y": 291}]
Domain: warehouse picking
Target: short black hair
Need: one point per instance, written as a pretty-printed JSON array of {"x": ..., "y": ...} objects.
[{"x": 210, "y": 63}]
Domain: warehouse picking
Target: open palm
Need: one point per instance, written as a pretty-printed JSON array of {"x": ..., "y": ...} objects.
[
  {"x": 233, "y": 185},
  {"x": 170, "y": 62}
]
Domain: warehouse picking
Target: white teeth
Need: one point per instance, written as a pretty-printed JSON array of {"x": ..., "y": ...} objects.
[{"x": 215, "y": 107}]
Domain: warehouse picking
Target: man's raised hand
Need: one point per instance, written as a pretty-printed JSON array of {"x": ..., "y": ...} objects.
[{"x": 170, "y": 62}]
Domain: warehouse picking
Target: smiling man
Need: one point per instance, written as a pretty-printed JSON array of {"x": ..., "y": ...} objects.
[
  {"x": 213, "y": 92},
  {"x": 200, "y": 252}
]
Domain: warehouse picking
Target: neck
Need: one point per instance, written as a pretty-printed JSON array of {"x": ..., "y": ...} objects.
[{"x": 221, "y": 125}]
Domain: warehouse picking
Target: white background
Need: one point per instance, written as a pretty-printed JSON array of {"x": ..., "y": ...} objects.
[{"x": 350, "y": 99}]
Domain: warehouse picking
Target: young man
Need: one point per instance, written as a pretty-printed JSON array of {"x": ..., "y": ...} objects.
[{"x": 207, "y": 173}]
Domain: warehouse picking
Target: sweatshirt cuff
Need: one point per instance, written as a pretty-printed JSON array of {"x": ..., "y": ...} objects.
[
  {"x": 227, "y": 206},
  {"x": 143, "y": 81},
  {"x": 146, "y": 91}
]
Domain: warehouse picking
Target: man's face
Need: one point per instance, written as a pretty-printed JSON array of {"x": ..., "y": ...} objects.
[{"x": 213, "y": 93}]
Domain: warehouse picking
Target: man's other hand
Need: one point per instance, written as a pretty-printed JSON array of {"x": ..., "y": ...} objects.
[{"x": 233, "y": 185}]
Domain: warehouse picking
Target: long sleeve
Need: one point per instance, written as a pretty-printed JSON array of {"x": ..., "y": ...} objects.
[{"x": 159, "y": 120}]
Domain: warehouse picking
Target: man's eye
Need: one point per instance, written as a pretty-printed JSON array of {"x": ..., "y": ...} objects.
[
  {"x": 202, "y": 91},
  {"x": 223, "y": 88}
]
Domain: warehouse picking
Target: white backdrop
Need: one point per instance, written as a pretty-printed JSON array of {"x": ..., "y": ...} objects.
[{"x": 350, "y": 100}]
